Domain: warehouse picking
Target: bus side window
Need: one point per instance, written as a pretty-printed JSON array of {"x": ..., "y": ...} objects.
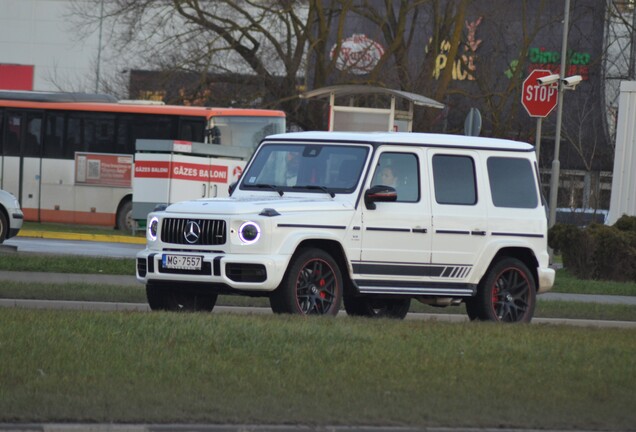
[
  {"x": 1, "y": 131},
  {"x": 13, "y": 129},
  {"x": 33, "y": 137},
  {"x": 191, "y": 129},
  {"x": 73, "y": 133},
  {"x": 54, "y": 131}
]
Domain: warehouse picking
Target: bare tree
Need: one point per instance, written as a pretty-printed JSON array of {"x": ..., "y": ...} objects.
[{"x": 268, "y": 39}]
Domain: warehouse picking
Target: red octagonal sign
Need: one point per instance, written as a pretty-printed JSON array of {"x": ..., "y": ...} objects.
[{"x": 538, "y": 100}]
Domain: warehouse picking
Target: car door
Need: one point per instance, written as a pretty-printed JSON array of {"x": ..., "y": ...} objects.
[
  {"x": 395, "y": 239},
  {"x": 459, "y": 209}
]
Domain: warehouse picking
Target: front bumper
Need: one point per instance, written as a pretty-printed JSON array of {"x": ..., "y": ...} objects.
[
  {"x": 235, "y": 272},
  {"x": 16, "y": 219}
]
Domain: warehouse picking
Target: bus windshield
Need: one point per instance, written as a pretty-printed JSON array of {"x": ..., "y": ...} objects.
[{"x": 243, "y": 131}]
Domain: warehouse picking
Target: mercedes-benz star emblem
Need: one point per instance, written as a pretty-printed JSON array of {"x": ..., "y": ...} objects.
[{"x": 192, "y": 232}]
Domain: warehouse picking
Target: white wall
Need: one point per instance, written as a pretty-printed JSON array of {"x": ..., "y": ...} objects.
[
  {"x": 623, "y": 199},
  {"x": 40, "y": 33}
]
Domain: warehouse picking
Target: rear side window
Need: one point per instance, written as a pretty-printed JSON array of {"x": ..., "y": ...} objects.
[
  {"x": 454, "y": 178},
  {"x": 512, "y": 183}
]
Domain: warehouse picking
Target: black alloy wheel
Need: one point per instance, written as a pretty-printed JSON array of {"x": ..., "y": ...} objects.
[
  {"x": 507, "y": 294},
  {"x": 312, "y": 285}
]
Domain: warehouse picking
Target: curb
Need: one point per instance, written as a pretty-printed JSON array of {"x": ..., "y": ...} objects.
[{"x": 109, "y": 238}]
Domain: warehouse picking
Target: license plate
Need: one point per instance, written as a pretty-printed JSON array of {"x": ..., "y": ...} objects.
[{"x": 181, "y": 262}]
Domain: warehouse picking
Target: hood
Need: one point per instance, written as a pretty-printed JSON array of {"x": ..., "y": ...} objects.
[{"x": 251, "y": 205}]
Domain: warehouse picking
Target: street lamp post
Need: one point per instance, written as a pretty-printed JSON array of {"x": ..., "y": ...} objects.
[
  {"x": 99, "y": 46},
  {"x": 554, "y": 179}
]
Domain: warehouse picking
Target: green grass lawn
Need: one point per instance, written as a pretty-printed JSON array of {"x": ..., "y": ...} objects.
[
  {"x": 60, "y": 366},
  {"x": 80, "y": 366}
]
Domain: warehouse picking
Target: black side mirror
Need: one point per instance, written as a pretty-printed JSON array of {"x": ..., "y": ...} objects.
[
  {"x": 231, "y": 187},
  {"x": 379, "y": 193}
]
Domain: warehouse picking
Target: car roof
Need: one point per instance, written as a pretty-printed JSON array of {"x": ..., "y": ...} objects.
[{"x": 407, "y": 138}]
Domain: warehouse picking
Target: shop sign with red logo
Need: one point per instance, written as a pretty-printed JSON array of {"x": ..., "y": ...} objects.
[{"x": 358, "y": 54}]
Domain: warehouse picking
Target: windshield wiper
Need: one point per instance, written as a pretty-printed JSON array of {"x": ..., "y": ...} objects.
[
  {"x": 316, "y": 187},
  {"x": 268, "y": 186}
]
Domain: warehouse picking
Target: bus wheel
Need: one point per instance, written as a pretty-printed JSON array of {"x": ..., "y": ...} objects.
[
  {"x": 377, "y": 307},
  {"x": 312, "y": 285},
  {"x": 125, "y": 221},
  {"x": 4, "y": 227},
  {"x": 167, "y": 298}
]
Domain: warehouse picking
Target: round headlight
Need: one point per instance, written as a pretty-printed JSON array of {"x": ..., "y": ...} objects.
[
  {"x": 152, "y": 228},
  {"x": 249, "y": 232}
]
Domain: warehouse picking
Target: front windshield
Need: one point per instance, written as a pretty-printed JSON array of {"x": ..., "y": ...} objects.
[
  {"x": 243, "y": 131},
  {"x": 306, "y": 167}
]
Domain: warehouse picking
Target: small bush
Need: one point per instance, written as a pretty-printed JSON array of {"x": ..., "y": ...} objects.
[
  {"x": 626, "y": 223},
  {"x": 598, "y": 251}
]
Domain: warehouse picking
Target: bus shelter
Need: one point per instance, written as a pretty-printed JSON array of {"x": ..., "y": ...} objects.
[{"x": 349, "y": 117}]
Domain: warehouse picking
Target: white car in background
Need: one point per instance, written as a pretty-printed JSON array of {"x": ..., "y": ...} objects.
[{"x": 11, "y": 216}]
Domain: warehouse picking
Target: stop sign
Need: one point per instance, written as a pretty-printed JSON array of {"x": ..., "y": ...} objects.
[{"x": 538, "y": 100}]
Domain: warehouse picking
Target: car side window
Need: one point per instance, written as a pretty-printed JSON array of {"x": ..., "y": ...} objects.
[
  {"x": 454, "y": 178},
  {"x": 401, "y": 172},
  {"x": 512, "y": 183}
]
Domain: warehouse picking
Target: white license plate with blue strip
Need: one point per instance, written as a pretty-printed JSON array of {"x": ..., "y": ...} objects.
[{"x": 181, "y": 262}]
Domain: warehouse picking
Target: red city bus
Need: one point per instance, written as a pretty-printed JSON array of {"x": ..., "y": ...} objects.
[{"x": 68, "y": 157}]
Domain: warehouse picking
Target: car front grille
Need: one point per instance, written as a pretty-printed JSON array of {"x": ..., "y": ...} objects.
[{"x": 201, "y": 232}]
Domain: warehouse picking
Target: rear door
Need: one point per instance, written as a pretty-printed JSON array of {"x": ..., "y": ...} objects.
[{"x": 459, "y": 205}]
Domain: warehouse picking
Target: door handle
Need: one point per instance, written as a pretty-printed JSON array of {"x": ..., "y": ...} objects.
[
  {"x": 420, "y": 230},
  {"x": 479, "y": 233},
  {"x": 204, "y": 190}
]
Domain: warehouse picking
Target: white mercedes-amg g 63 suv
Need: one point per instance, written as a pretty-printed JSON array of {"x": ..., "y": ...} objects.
[{"x": 371, "y": 220}]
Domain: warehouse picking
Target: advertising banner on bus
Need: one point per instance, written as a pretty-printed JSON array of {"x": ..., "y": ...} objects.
[{"x": 97, "y": 169}]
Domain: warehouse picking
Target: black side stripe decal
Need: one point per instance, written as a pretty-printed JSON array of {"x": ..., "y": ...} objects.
[
  {"x": 338, "y": 227},
  {"x": 518, "y": 235}
]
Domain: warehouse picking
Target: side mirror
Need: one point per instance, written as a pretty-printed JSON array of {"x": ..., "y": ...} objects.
[
  {"x": 231, "y": 187},
  {"x": 379, "y": 193}
]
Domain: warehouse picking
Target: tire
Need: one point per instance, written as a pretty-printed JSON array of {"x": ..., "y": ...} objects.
[
  {"x": 472, "y": 308},
  {"x": 125, "y": 220},
  {"x": 4, "y": 227},
  {"x": 312, "y": 285},
  {"x": 163, "y": 297},
  {"x": 506, "y": 294},
  {"x": 395, "y": 308}
]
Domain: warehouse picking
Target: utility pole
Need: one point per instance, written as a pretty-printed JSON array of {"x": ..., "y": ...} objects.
[
  {"x": 554, "y": 180},
  {"x": 99, "y": 46}
]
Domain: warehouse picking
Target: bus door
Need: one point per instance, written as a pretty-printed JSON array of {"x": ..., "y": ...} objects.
[{"x": 21, "y": 162}]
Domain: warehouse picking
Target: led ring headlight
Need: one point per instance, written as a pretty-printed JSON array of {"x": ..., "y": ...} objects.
[
  {"x": 249, "y": 232},
  {"x": 153, "y": 226}
]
